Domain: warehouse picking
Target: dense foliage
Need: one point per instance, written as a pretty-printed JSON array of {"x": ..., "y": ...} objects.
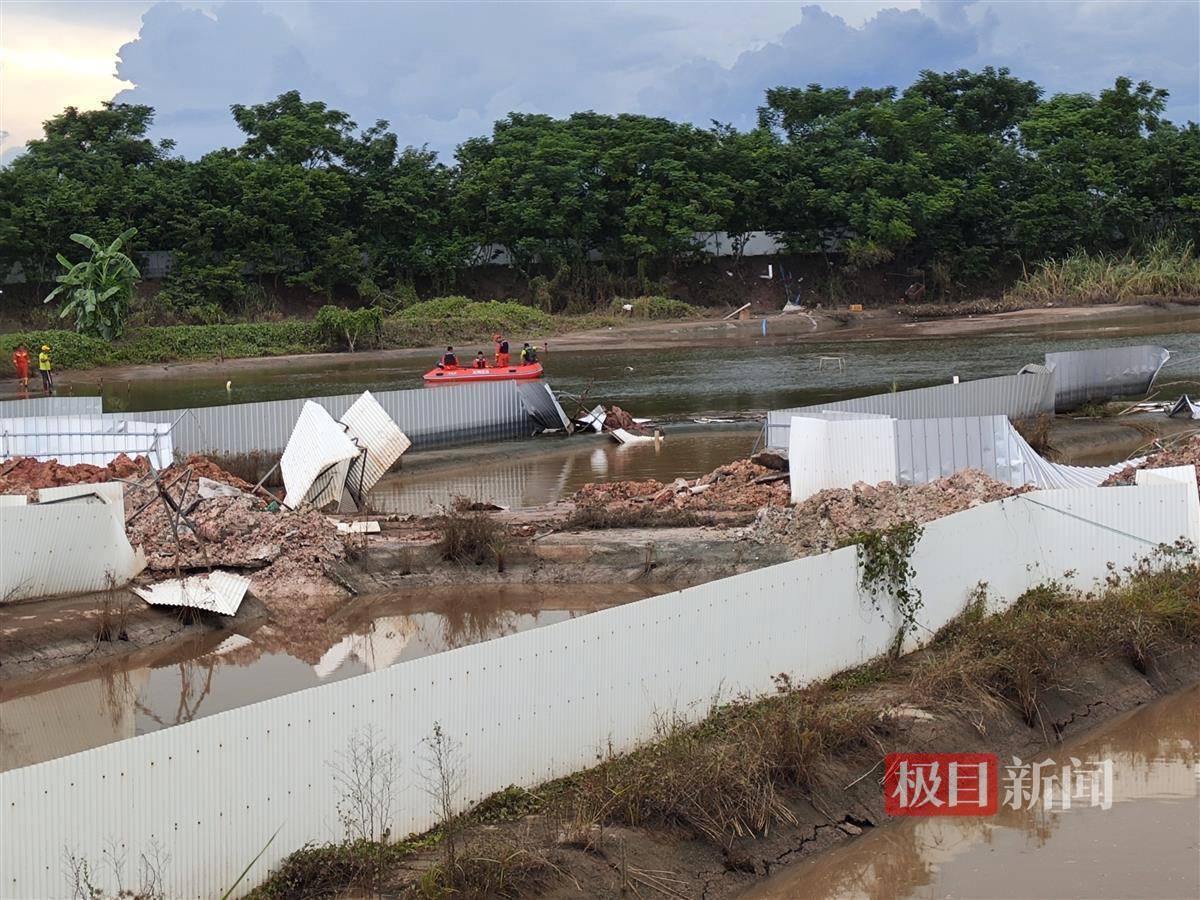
[
  {"x": 959, "y": 173},
  {"x": 97, "y": 290}
]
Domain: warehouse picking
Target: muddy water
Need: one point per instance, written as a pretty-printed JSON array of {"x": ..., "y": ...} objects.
[
  {"x": 1146, "y": 845},
  {"x": 62, "y": 713},
  {"x": 741, "y": 375},
  {"x": 546, "y": 471}
]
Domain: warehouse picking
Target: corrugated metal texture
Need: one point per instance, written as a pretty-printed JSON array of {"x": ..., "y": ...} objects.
[
  {"x": 71, "y": 542},
  {"x": 1082, "y": 376},
  {"x": 831, "y": 454},
  {"x": 316, "y": 459},
  {"x": 541, "y": 405},
  {"x": 928, "y": 449},
  {"x": 51, "y": 406},
  {"x": 374, "y": 432},
  {"x": 94, "y": 439},
  {"x": 219, "y": 592},
  {"x": 431, "y": 417},
  {"x": 535, "y": 705},
  {"x": 1015, "y": 396}
]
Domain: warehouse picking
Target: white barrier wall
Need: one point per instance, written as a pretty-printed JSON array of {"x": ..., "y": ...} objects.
[
  {"x": 825, "y": 453},
  {"x": 539, "y": 704},
  {"x": 71, "y": 541}
]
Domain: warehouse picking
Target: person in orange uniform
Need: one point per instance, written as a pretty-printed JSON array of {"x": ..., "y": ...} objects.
[
  {"x": 21, "y": 364},
  {"x": 502, "y": 358},
  {"x": 480, "y": 360}
]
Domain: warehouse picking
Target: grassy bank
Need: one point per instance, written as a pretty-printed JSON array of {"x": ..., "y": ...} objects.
[
  {"x": 431, "y": 322},
  {"x": 745, "y": 769},
  {"x": 1165, "y": 269}
]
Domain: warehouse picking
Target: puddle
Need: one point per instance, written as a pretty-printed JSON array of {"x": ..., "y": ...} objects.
[
  {"x": 61, "y": 713},
  {"x": 1146, "y": 845},
  {"x": 545, "y": 471}
]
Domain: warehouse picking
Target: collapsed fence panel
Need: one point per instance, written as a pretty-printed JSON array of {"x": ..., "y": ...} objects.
[
  {"x": 836, "y": 453},
  {"x": 1016, "y": 396},
  {"x": 380, "y": 440},
  {"x": 212, "y": 792},
  {"x": 93, "y": 439},
  {"x": 1084, "y": 376},
  {"x": 51, "y": 406},
  {"x": 430, "y": 417},
  {"x": 72, "y": 541}
]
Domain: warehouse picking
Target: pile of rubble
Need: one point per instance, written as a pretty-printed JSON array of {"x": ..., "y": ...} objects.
[
  {"x": 1184, "y": 454},
  {"x": 828, "y": 519},
  {"x": 740, "y": 486},
  {"x": 26, "y": 475},
  {"x": 288, "y": 552}
]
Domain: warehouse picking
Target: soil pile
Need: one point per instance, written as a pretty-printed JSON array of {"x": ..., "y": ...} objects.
[
  {"x": 26, "y": 475},
  {"x": 290, "y": 550},
  {"x": 740, "y": 486},
  {"x": 1186, "y": 454},
  {"x": 830, "y": 518}
]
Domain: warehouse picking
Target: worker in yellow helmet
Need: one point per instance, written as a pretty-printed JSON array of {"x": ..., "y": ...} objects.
[{"x": 44, "y": 367}]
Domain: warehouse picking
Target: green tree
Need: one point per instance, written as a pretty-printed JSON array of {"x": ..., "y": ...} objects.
[{"x": 97, "y": 291}]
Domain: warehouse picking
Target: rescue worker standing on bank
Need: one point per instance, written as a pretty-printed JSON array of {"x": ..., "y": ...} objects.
[
  {"x": 44, "y": 369},
  {"x": 21, "y": 364},
  {"x": 502, "y": 358}
]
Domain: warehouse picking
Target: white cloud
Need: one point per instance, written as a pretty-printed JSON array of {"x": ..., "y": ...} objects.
[{"x": 442, "y": 72}]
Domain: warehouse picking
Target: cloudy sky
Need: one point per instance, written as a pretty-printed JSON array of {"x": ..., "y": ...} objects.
[{"x": 442, "y": 72}]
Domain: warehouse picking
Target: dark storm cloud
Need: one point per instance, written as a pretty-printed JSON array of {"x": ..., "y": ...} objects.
[{"x": 442, "y": 72}]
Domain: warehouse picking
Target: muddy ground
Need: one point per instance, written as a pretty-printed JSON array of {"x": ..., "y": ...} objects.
[
  {"x": 732, "y": 520},
  {"x": 847, "y": 798}
]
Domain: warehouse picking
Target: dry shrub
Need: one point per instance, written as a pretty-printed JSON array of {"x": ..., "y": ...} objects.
[
  {"x": 331, "y": 869},
  {"x": 721, "y": 778},
  {"x": 1036, "y": 431},
  {"x": 472, "y": 537},
  {"x": 491, "y": 866},
  {"x": 113, "y": 621},
  {"x": 1019, "y": 653}
]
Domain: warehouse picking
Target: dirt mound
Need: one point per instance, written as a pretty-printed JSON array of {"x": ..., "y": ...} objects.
[
  {"x": 288, "y": 550},
  {"x": 1185, "y": 454},
  {"x": 740, "y": 486},
  {"x": 828, "y": 519},
  {"x": 26, "y": 475}
]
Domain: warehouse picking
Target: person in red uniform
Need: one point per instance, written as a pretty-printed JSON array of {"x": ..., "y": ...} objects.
[
  {"x": 20, "y": 359},
  {"x": 480, "y": 360},
  {"x": 502, "y": 358}
]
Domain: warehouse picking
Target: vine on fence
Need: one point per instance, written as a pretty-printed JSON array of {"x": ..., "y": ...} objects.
[{"x": 884, "y": 567}]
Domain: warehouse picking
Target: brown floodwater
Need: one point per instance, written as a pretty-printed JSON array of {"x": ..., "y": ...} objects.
[
  {"x": 1146, "y": 845},
  {"x": 61, "y": 713},
  {"x": 537, "y": 472}
]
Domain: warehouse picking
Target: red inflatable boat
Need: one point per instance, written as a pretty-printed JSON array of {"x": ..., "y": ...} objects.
[{"x": 461, "y": 374}]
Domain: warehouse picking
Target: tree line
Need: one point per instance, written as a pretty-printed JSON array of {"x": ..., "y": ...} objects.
[{"x": 960, "y": 173}]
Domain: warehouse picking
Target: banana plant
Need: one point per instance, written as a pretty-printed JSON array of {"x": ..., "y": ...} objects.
[{"x": 98, "y": 291}]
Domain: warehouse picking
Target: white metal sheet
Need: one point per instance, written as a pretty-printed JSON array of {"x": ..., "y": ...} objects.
[
  {"x": 316, "y": 459},
  {"x": 71, "y": 542},
  {"x": 219, "y": 592},
  {"x": 831, "y": 453},
  {"x": 372, "y": 429},
  {"x": 535, "y": 705},
  {"x": 93, "y": 439}
]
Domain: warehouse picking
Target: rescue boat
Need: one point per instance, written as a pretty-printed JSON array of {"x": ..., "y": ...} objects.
[{"x": 461, "y": 374}]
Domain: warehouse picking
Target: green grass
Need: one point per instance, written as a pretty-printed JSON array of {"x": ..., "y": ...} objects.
[
  {"x": 654, "y": 308},
  {"x": 1164, "y": 269}
]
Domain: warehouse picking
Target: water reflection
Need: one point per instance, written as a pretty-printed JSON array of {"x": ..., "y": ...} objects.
[
  {"x": 316, "y": 641},
  {"x": 1146, "y": 845},
  {"x": 545, "y": 474}
]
